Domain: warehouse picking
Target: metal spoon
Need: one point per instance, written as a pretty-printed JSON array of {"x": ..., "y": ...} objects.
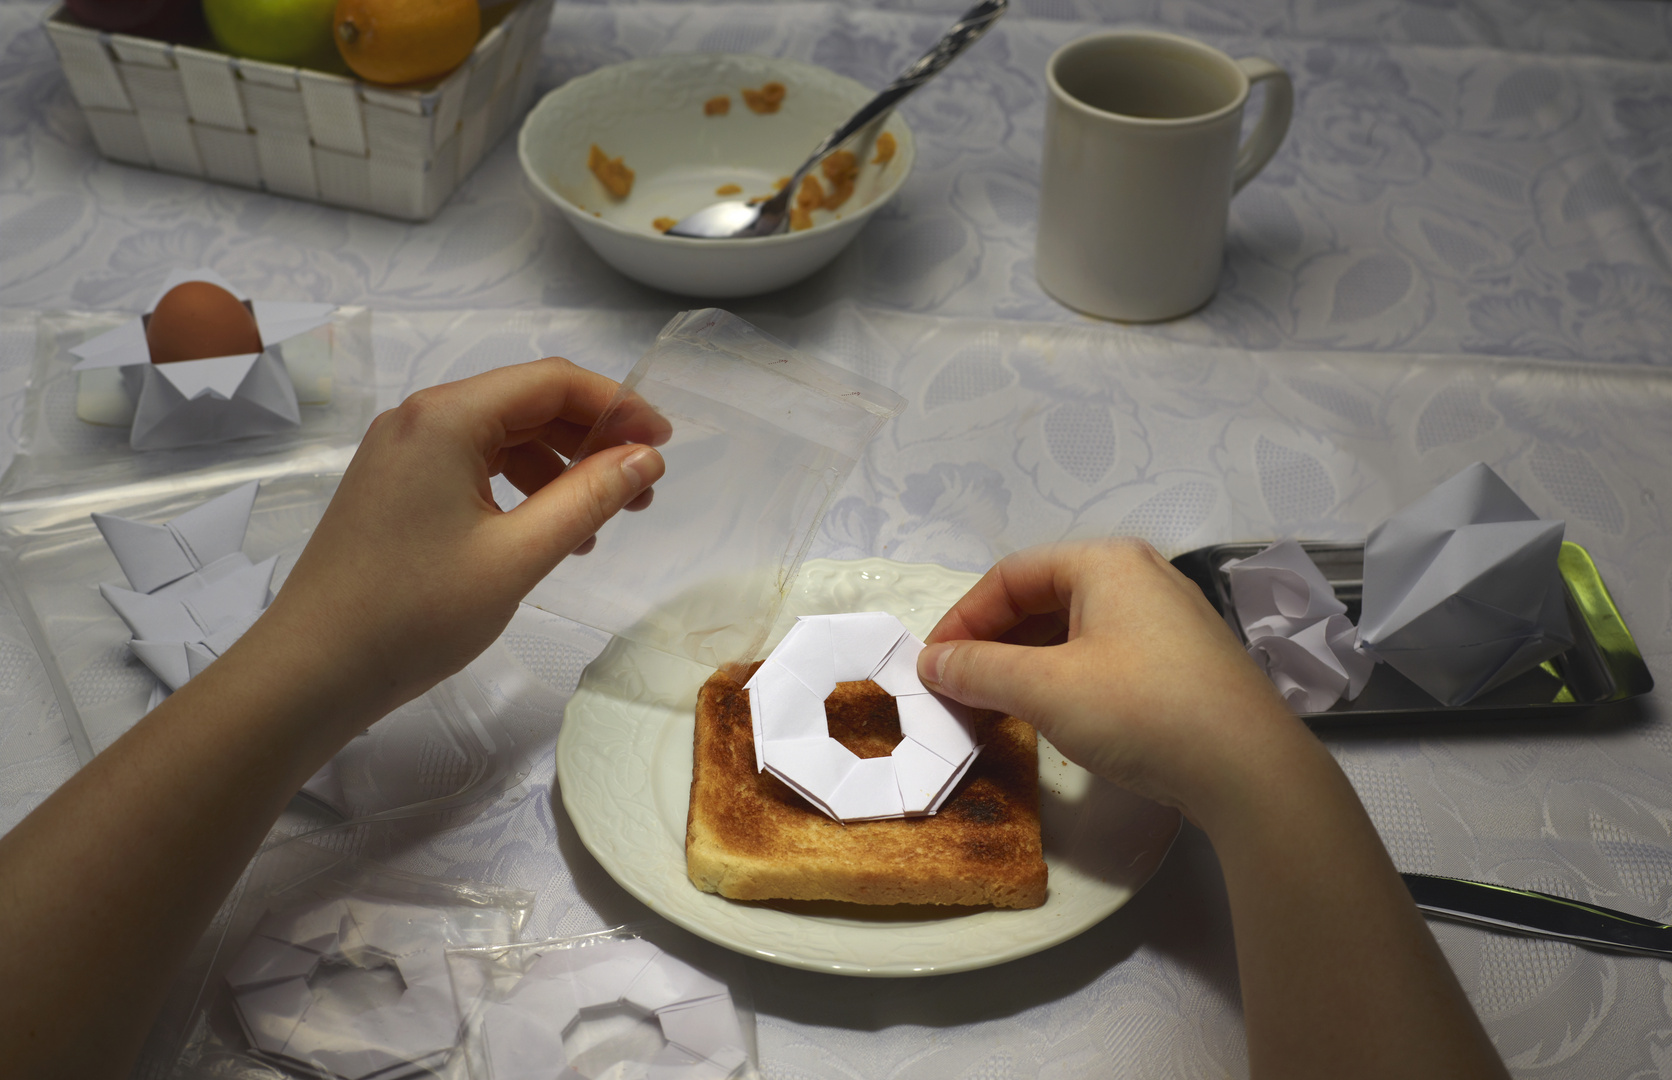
[{"x": 737, "y": 220}]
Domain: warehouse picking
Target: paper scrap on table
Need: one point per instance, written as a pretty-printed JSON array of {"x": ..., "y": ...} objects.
[
  {"x": 1296, "y": 628},
  {"x": 1461, "y": 588},
  {"x": 192, "y": 402},
  {"x": 522, "y": 1033},
  {"x": 792, "y": 735},
  {"x": 336, "y": 1034},
  {"x": 193, "y": 590}
]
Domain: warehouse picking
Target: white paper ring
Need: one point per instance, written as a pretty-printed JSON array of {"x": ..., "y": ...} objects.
[{"x": 792, "y": 736}]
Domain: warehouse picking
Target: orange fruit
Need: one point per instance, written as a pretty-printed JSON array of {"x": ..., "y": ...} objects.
[{"x": 403, "y": 41}]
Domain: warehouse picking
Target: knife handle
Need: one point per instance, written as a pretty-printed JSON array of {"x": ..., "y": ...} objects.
[{"x": 1523, "y": 911}]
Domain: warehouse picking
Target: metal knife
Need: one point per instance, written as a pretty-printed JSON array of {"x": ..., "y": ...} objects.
[{"x": 1536, "y": 914}]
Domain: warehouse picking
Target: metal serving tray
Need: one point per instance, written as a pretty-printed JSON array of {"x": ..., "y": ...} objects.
[{"x": 1603, "y": 665}]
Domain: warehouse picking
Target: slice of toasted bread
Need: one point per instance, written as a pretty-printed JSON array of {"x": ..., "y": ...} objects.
[{"x": 749, "y": 837}]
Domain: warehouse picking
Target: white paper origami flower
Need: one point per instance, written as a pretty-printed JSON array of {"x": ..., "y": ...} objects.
[
  {"x": 1461, "y": 588},
  {"x": 194, "y": 591},
  {"x": 792, "y": 736},
  {"x": 191, "y": 402}
]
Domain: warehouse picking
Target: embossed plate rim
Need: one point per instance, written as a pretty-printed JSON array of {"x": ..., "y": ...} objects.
[{"x": 625, "y": 783}]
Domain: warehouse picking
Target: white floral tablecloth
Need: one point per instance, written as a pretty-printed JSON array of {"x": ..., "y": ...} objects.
[{"x": 1461, "y": 253}]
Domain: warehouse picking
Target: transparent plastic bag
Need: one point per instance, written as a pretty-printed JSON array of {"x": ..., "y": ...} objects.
[
  {"x": 75, "y": 431},
  {"x": 333, "y": 966},
  {"x": 757, "y": 438},
  {"x": 447, "y": 747},
  {"x": 635, "y": 1001}
]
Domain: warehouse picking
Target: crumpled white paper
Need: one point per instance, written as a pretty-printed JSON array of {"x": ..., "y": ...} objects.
[
  {"x": 523, "y": 1032},
  {"x": 194, "y": 591},
  {"x": 1297, "y": 630},
  {"x": 192, "y": 402},
  {"x": 792, "y": 736},
  {"x": 1462, "y": 590}
]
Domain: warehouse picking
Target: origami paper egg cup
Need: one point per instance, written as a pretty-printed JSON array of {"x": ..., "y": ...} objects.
[
  {"x": 792, "y": 735},
  {"x": 193, "y": 402}
]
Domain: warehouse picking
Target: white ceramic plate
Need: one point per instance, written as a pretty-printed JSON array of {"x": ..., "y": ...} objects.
[
  {"x": 649, "y": 113},
  {"x": 624, "y": 766}
]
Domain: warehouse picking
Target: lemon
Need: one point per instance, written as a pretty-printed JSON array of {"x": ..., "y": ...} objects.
[{"x": 403, "y": 41}]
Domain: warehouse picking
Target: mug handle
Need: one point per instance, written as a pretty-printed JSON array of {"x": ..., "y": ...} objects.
[{"x": 1268, "y": 134}]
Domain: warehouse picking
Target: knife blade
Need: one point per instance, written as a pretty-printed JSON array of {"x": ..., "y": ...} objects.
[{"x": 1536, "y": 914}]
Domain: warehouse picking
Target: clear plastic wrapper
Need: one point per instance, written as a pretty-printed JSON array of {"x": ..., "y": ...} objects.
[
  {"x": 334, "y": 967},
  {"x": 757, "y": 438},
  {"x": 76, "y": 424},
  {"x": 447, "y": 747},
  {"x": 636, "y": 1001}
]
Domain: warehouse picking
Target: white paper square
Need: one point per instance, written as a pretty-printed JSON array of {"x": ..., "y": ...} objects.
[
  {"x": 897, "y": 674},
  {"x": 817, "y": 766},
  {"x": 860, "y": 640},
  {"x": 789, "y": 710},
  {"x": 806, "y": 652},
  {"x": 921, "y": 775},
  {"x": 868, "y": 792},
  {"x": 707, "y": 1030},
  {"x": 942, "y": 727}
]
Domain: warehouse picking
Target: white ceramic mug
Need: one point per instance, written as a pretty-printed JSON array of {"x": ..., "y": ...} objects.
[{"x": 1141, "y": 160}]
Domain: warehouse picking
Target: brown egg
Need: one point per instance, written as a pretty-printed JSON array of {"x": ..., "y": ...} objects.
[{"x": 196, "y": 320}]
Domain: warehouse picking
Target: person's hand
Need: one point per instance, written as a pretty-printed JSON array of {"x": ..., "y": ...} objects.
[
  {"x": 1117, "y": 659},
  {"x": 413, "y": 569}
]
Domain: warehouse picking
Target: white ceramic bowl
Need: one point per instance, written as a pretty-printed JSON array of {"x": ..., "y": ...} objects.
[{"x": 650, "y": 114}]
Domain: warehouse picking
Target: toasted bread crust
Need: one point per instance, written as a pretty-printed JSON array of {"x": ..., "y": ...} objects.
[{"x": 749, "y": 837}]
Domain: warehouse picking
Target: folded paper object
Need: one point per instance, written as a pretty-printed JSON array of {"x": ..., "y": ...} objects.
[
  {"x": 193, "y": 590},
  {"x": 1461, "y": 589},
  {"x": 356, "y": 1022},
  {"x": 700, "y": 1038},
  {"x": 191, "y": 402},
  {"x": 1296, "y": 628},
  {"x": 792, "y": 736}
]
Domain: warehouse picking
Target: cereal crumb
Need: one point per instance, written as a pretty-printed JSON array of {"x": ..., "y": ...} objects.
[
  {"x": 729, "y": 189},
  {"x": 885, "y": 149},
  {"x": 811, "y": 195},
  {"x": 800, "y": 217},
  {"x": 717, "y": 106},
  {"x": 766, "y": 99},
  {"x": 841, "y": 169},
  {"x": 663, "y": 224},
  {"x": 615, "y": 176}
]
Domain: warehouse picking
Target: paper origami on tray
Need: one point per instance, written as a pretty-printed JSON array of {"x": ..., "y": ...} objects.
[
  {"x": 193, "y": 590},
  {"x": 792, "y": 736},
  {"x": 523, "y": 1032},
  {"x": 1296, "y": 628},
  {"x": 1461, "y": 589},
  {"x": 191, "y": 402}
]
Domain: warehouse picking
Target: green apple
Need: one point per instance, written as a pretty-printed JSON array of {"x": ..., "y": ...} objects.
[{"x": 296, "y": 32}]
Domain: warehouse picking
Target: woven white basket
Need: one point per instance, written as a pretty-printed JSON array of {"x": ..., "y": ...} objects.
[{"x": 308, "y": 134}]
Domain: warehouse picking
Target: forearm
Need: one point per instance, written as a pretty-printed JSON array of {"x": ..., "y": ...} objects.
[
  {"x": 1340, "y": 975},
  {"x": 109, "y": 882}
]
